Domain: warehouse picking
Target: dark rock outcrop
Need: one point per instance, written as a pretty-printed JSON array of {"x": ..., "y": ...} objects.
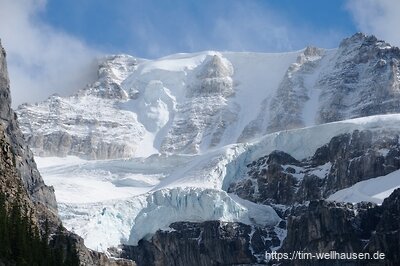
[
  {"x": 386, "y": 235},
  {"x": 347, "y": 159},
  {"x": 86, "y": 256},
  {"x": 325, "y": 226},
  {"x": 24, "y": 162},
  {"x": 358, "y": 156},
  {"x": 206, "y": 244}
]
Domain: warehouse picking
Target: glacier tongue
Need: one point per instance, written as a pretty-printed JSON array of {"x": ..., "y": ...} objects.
[
  {"x": 177, "y": 187},
  {"x": 196, "y": 205}
]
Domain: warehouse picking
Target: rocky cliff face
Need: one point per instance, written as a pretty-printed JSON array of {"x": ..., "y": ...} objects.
[
  {"x": 385, "y": 236},
  {"x": 278, "y": 178},
  {"x": 317, "y": 225},
  {"x": 70, "y": 129},
  {"x": 363, "y": 81},
  {"x": 111, "y": 117},
  {"x": 296, "y": 89},
  {"x": 23, "y": 157},
  {"x": 360, "y": 78},
  {"x": 21, "y": 181},
  {"x": 328, "y": 226},
  {"x": 206, "y": 107},
  {"x": 207, "y": 243}
]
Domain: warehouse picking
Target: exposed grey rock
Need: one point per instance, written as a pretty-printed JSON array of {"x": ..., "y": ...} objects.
[
  {"x": 59, "y": 127},
  {"x": 359, "y": 156},
  {"x": 347, "y": 159},
  {"x": 24, "y": 161},
  {"x": 86, "y": 256},
  {"x": 108, "y": 85},
  {"x": 208, "y": 243},
  {"x": 206, "y": 113},
  {"x": 386, "y": 235},
  {"x": 322, "y": 226},
  {"x": 364, "y": 80},
  {"x": 360, "y": 78},
  {"x": 342, "y": 227},
  {"x": 278, "y": 178},
  {"x": 286, "y": 109},
  {"x": 108, "y": 120},
  {"x": 61, "y": 144}
]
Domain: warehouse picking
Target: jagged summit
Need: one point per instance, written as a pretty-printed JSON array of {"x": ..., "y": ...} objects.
[
  {"x": 112, "y": 71},
  {"x": 360, "y": 38},
  {"x": 189, "y": 103}
]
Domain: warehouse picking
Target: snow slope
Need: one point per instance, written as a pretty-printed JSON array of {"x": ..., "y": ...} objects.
[
  {"x": 130, "y": 199},
  {"x": 371, "y": 190},
  {"x": 183, "y": 103}
]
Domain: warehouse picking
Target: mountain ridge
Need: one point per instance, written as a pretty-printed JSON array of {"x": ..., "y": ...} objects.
[
  {"x": 159, "y": 143},
  {"x": 167, "y": 106}
]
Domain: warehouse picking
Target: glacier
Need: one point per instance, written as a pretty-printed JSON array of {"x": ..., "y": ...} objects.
[
  {"x": 153, "y": 142},
  {"x": 109, "y": 202}
]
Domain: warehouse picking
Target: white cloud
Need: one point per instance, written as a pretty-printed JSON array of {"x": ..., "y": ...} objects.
[
  {"x": 380, "y": 18},
  {"x": 41, "y": 59}
]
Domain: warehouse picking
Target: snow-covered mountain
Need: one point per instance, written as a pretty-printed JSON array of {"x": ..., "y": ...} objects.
[
  {"x": 181, "y": 104},
  {"x": 194, "y": 138},
  {"x": 189, "y": 103}
]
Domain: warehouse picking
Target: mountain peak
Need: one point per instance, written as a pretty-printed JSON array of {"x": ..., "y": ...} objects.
[
  {"x": 360, "y": 39},
  {"x": 217, "y": 67}
]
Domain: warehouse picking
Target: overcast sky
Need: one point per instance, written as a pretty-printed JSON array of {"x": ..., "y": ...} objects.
[{"x": 52, "y": 44}]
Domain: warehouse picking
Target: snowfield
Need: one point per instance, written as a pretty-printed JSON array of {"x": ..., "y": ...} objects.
[
  {"x": 109, "y": 202},
  {"x": 371, "y": 190}
]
